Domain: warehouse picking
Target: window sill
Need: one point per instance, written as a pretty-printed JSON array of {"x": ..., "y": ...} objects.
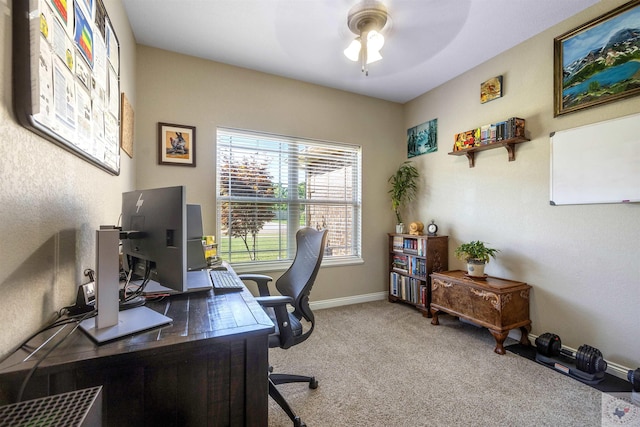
[{"x": 282, "y": 266}]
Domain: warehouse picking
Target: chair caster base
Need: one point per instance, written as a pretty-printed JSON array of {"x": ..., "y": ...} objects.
[
  {"x": 313, "y": 383},
  {"x": 297, "y": 422}
]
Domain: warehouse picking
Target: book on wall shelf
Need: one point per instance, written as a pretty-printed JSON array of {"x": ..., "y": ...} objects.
[
  {"x": 506, "y": 133},
  {"x": 412, "y": 258},
  {"x": 488, "y": 134}
]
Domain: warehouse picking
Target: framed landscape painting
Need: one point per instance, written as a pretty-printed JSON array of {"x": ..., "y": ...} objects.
[
  {"x": 598, "y": 62},
  {"x": 422, "y": 139}
]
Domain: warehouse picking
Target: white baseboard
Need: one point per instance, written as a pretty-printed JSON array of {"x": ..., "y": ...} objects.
[{"x": 356, "y": 299}]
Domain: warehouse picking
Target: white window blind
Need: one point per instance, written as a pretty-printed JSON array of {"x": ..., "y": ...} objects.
[{"x": 268, "y": 186}]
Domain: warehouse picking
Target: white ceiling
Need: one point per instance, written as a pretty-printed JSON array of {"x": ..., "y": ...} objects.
[{"x": 428, "y": 42}]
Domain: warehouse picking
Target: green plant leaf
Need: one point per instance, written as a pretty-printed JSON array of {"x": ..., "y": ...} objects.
[
  {"x": 475, "y": 250},
  {"x": 404, "y": 187}
]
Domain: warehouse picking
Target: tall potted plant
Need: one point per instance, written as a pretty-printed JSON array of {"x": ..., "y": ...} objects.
[
  {"x": 476, "y": 254},
  {"x": 404, "y": 186}
]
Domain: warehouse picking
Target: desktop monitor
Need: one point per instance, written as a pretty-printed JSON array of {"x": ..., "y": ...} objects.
[
  {"x": 195, "y": 250},
  {"x": 156, "y": 223}
]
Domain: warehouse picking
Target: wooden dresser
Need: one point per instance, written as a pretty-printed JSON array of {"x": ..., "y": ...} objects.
[{"x": 497, "y": 304}]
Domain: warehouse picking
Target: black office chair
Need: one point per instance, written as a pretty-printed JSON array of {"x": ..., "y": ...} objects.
[{"x": 294, "y": 286}]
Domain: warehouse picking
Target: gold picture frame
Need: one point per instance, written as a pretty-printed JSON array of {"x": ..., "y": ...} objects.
[{"x": 597, "y": 62}]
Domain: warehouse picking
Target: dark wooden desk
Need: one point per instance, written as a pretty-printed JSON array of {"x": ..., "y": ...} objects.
[{"x": 208, "y": 368}]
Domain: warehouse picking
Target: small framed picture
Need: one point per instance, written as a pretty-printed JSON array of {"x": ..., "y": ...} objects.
[
  {"x": 176, "y": 145},
  {"x": 422, "y": 139},
  {"x": 491, "y": 89}
]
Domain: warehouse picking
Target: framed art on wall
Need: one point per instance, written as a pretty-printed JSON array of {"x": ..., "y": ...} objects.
[
  {"x": 422, "y": 139},
  {"x": 598, "y": 62},
  {"x": 126, "y": 127},
  {"x": 491, "y": 89},
  {"x": 176, "y": 145}
]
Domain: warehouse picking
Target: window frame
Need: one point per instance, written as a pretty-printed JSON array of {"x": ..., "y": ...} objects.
[{"x": 354, "y": 203}]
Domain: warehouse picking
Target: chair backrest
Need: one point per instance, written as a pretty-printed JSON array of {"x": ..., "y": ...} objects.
[{"x": 297, "y": 281}]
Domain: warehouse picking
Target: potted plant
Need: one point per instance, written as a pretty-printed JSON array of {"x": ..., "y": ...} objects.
[
  {"x": 404, "y": 185},
  {"x": 476, "y": 254}
]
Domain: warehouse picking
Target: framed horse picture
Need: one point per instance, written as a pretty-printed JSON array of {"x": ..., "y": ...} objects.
[{"x": 176, "y": 145}]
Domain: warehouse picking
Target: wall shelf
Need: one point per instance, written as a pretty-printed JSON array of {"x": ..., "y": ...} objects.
[{"x": 509, "y": 144}]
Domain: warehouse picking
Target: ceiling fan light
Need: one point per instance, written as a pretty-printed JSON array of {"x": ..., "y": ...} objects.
[
  {"x": 375, "y": 40},
  {"x": 366, "y": 20},
  {"x": 353, "y": 51},
  {"x": 373, "y": 56}
]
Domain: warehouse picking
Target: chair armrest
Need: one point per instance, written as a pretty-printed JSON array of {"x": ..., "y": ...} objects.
[
  {"x": 259, "y": 279},
  {"x": 279, "y": 306},
  {"x": 274, "y": 301}
]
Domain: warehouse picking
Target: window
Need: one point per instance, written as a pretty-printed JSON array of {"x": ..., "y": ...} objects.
[{"x": 269, "y": 186}]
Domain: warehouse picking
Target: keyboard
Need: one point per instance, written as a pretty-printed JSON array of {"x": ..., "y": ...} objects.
[{"x": 225, "y": 280}]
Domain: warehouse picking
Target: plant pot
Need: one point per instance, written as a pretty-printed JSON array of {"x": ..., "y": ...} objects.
[
  {"x": 475, "y": 268},
  {"x": 400, "y": 228}
]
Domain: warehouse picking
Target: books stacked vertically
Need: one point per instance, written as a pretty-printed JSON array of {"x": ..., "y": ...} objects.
[
  {"x": 417, "y": 266},
  {"x": 414, "y": 246},
  {"x": 490, "y": 133},
  {"x": 509, "y": 129},
  {"x": 410, "y": 246},
  {"x": 408, "y": 288}
]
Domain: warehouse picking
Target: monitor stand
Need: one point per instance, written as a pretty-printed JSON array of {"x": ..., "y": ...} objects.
[
  {"x": 129, "y": 322},
  {"x": 110, "y": 323}
]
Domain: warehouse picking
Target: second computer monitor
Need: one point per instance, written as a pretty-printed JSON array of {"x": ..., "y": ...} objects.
[{"x": 156, "y": 220}]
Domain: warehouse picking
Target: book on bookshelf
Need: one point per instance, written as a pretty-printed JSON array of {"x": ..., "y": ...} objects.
[
  {"x": 400, "y": 263},
  {"x": 397, "y": 243}
]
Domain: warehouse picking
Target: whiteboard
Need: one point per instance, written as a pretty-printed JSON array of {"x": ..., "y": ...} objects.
[{"x": 596, "y": 163}]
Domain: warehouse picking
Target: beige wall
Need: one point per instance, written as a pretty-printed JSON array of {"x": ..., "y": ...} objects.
[
  {"x": 581, "y": 260},
  {"x": 180, "y": 89},
  {"x": 51, "y": 203}
]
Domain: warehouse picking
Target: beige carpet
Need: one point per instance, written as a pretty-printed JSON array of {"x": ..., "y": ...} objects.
[{"x": 383, "y": 364}]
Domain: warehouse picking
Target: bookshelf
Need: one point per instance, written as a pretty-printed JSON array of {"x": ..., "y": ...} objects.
[{"x": 411, "y": 261}]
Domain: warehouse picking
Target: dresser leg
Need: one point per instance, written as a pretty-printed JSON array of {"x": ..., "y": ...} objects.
[
  {"x": 524, "y": 338},
  {"x": 434, "y": 316},
  {"x": 499, "y": 337}
]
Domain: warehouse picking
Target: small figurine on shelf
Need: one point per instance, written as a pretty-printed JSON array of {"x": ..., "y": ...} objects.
[{"x": 415, "y": 228}]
